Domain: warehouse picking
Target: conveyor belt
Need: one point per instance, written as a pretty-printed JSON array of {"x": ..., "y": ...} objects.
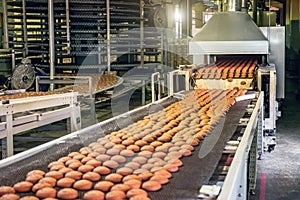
[
  {"x": 40, "y": 157},
  {"x": 4, "y": 98},
  {"x": 100, "y": 83},
  {"x": 185, "y": 183},
  {"x": 228, "y": 69}
]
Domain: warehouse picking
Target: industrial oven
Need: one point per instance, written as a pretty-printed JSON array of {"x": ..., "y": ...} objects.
[{"x": 235, "y": 37}]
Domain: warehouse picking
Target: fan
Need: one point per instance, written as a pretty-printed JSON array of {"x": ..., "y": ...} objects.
[
  {"x": 23, "y": 75},
  {"x": 159, "y": 18}
]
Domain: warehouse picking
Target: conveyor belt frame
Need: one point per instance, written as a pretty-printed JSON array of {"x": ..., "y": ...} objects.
[
  {"x": 34, "y": 115},
  {"x": 235, "y": 184}
]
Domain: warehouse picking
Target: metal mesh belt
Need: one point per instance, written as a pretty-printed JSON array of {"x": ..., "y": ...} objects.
[
  {"x": 184, "y": 184},
  {"x": 196, "y": 172},
  {"x": 19, "y": 169}
]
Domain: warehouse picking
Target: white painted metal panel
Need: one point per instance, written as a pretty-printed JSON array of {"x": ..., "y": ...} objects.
[
  {"x": 228, "y": 47},
  {"x": 276, "y": 37}
]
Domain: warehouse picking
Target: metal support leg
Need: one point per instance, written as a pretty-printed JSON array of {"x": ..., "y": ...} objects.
[
  {"x": 108, "y": 35},
  {"x": 25, "y": 36},
  {"x": 153, "y": 81},
  {"x": 143, "y": 92},
  {"x": 177, "y": 83},
  {"x": 51, "y": 41},
  {"x": 272, "y": 95},
  {"x": 142, "y": 32},
  {"x": 3, "y": 148},
  {"x": 68, "y": 27},
  {"x": 242, "y": 189},
  {"x": 5, "y": 27},
  {"x": 13, "y": 59},
  {"x": 171, "y": 83},
  {"x": 187, "y": 81},
  {"x": 260, "y": 128},
  {"x": 9, "y": 138},
  {"x": 37, "y": 85},
  {"x": 91, "y": 102},
  {"x": 75, "y": 119},
  {"x": 252, "y": 163}
]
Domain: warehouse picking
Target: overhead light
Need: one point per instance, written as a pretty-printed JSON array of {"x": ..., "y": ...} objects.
[{"x": 177, "y": 15}]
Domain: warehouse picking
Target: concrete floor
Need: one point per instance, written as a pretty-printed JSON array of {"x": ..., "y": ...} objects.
[{"x": 279, "y": 171}]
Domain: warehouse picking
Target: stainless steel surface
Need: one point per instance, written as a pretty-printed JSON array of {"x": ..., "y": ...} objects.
[
  {"x": 277, "y": 55},
  {"x": 155, "y": 80},
  {"x": 270, "y": 91},
  {"x": 172, "y": 82},
  {"x": 235, "y": 184},
  {"x": 230, "y": 26},
  {"x": 23, "y": 114},
  {"x": 229, "y": 33}
]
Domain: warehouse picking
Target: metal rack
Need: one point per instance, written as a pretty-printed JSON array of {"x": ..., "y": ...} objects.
[
  {"x": 92, "y": 35},
  {"x": 19, "y": 115}
]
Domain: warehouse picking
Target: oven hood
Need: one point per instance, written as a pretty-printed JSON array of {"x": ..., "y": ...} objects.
[{"x": 229, "y": 33}]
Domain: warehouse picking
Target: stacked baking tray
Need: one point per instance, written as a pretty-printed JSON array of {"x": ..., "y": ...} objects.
[{"x": 81, "y": 33}]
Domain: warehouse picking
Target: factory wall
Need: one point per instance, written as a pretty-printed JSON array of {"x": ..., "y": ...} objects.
[
  {"x": 293, "y": 28},
  {"x": 1, "y": 24},
  {"x": 293, "y": 45}
]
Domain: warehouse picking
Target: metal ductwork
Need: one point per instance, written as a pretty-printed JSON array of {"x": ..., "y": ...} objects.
[{"x": 229, "y": 33}]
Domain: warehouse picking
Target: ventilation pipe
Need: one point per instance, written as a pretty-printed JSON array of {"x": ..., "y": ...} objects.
[
  {"x": 234, "y": 5},
  {"x": 51, "y": 41},
  {"x": 186, "y": 14}
]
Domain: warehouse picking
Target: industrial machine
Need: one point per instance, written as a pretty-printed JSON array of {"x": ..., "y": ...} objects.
[
  {"x": 229, "y": 52},
  {"x": 235, "y": 37},
  {"x": 23, "y": 76}
]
